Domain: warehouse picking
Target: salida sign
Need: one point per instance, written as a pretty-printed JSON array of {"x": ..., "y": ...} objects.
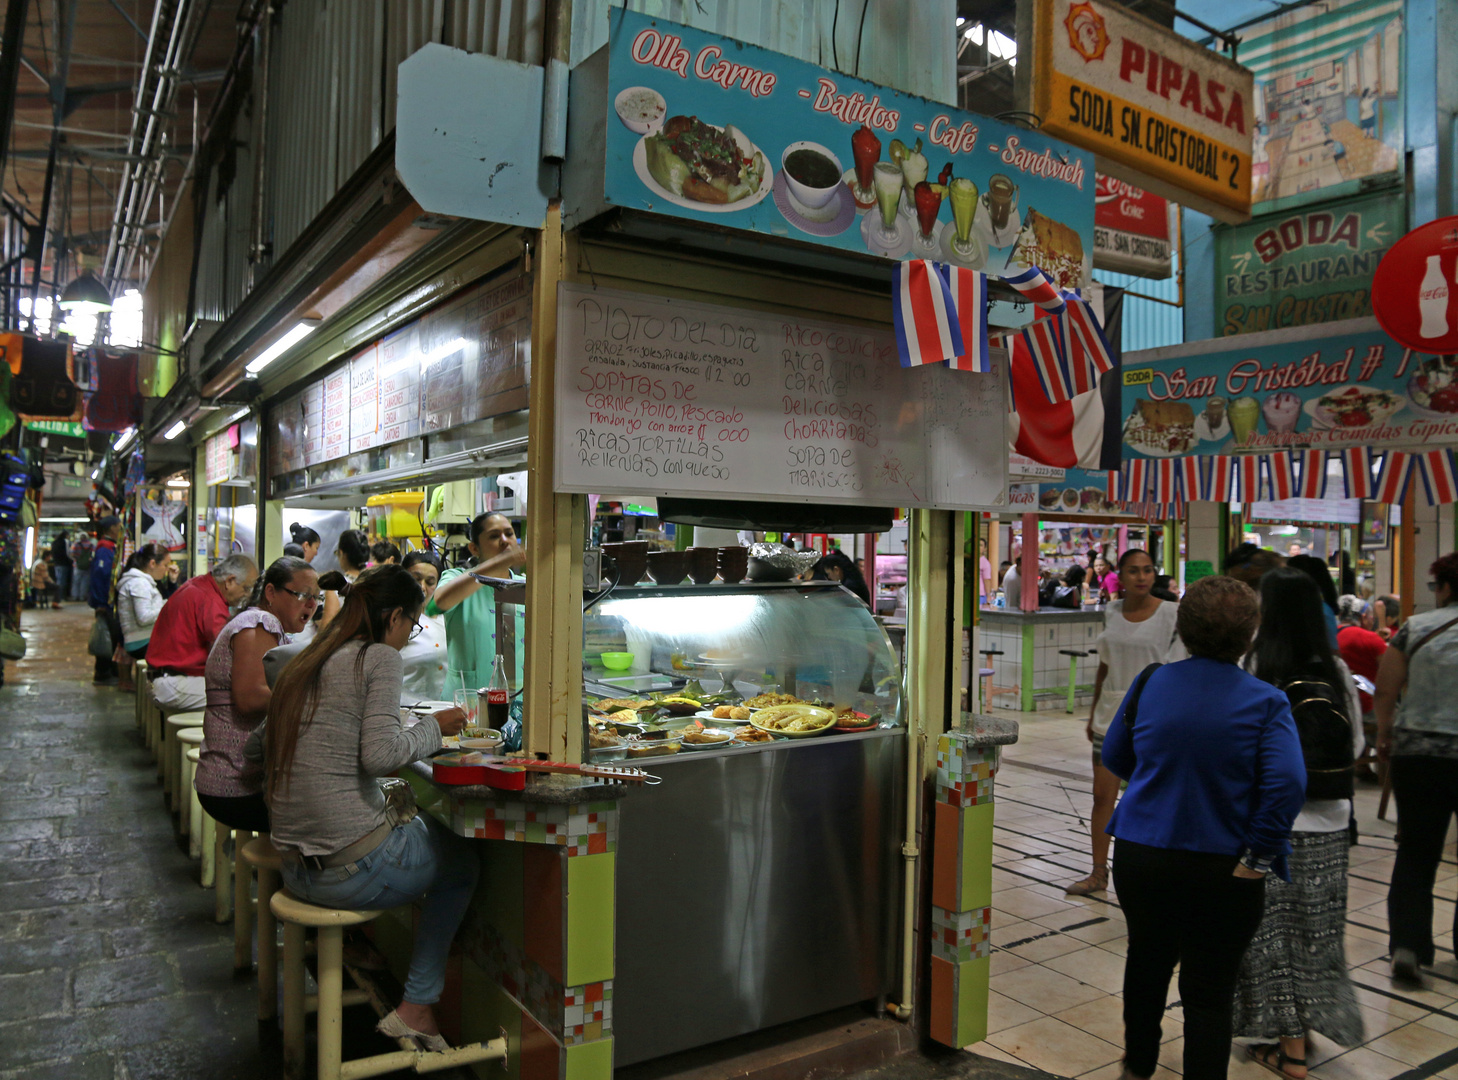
[
  {"x": 1159, "y": 110},
  {"x": 1298, "y": 269}
]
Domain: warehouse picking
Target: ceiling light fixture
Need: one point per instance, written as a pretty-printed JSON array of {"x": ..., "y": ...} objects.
[
  {"x": 178, "y": 482},
  {"x": 126, "y": 437},
  {"x": 239, "y": 415},
  {"x": 86, "y": 294},
  {"x": 301, "y": 330},
  {"x": 175, "y": 430}
]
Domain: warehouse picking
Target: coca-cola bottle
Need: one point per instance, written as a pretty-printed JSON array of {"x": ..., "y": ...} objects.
[
  {"x": 498, "y": 695},
  {"x": 1433, "y": 300}
]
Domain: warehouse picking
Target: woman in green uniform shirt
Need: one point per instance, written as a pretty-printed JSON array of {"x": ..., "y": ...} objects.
[{"x": 470, "y": 607}]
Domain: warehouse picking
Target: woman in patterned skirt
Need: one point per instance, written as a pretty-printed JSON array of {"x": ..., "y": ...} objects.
[{"x": 1294, "y": 979}]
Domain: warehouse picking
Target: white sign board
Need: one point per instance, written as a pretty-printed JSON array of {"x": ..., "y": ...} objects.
[{"x": 667, "y": 397}]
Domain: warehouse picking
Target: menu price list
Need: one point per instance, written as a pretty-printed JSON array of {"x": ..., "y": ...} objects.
[{"x": 696, "y": 399}]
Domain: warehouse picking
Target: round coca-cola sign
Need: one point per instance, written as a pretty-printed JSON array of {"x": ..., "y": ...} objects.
[{"x": 1415, "y": 290}]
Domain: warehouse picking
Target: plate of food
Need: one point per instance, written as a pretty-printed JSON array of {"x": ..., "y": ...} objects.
[
  {"x": 1433, "y": 392},
  {"x": 703, "y": 166},
  {"x": 1353, "y": 407},
  {"x": 849, "y": 719},
  {"x": 1093, "y": 501},
  {"x": 793, "y": 721},
  {"x": 1070, "y": 500},
  {"x": 1050, "y": 245},
  {"x": 708, "y": 739},
  {"x": 721, "y": 713},
  {"x": 1048, "y": 498},
  {"x": 1160, "y": 428},
  {"x": 641, "y": 109}
]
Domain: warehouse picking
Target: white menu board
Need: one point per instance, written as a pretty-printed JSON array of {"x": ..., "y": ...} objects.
[
  {"x": 364, "y": 401},
  {"x": 312, "y": 400},
  {"x": 399, "y": 370},
  {"x": 668, "y": 397},
  {"x": 336, "y": 414}
]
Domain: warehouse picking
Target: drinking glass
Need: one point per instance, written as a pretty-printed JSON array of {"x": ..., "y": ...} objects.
[
  {"x": 887, "y": 181},
  {"x": 465, "y": 700}
]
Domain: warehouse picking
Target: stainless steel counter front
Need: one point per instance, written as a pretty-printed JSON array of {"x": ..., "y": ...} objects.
[{"x": 755, "y": 887}]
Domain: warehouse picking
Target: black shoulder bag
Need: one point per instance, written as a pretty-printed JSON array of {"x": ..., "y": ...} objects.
[{"x": 1132, "y": 712}]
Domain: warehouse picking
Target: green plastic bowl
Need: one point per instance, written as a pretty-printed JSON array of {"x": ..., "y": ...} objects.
[{"x": 617, "y": 661}]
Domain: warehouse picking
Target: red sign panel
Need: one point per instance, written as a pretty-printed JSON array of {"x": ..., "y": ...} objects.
[
  {"x": 1415, "y": 292},
  {"x": 1131, "y": 229}
]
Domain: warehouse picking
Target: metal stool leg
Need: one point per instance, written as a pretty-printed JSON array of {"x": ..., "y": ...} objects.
[
  {"x": 293, "y": 1001},
  {"x": 242, "y": 904},
  {"x": 1072, "y": 678},
  {"x": 222, "y": 874},
  {"x": 267, "y": 945},
  {"x": 331, "y": 987},
  {"x": 207, "y": 844}
]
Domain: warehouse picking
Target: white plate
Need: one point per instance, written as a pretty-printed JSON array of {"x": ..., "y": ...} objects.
[
  {"x": 1311, "y": 407},
  {"x": 709, "y": 746},
  {"x": 426, "y": 708},
  {"x": 871, "y": 230},
  {"x": 640, "y": 166},
  {"x": 982, "y": 222},
  {"x": 976, "y": 259}
]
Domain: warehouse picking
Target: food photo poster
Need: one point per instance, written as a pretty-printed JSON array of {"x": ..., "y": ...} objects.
[{"x": 703, "y": 127}]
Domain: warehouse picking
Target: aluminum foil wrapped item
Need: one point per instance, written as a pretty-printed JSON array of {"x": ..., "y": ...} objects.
[{"x": 776, "y": 562}]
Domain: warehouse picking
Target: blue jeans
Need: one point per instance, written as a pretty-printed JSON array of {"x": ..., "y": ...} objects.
[{"x": 421, "y": 858}]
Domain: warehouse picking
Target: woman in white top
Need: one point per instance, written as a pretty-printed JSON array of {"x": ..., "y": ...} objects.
[
  {"x": 1293, "y": 979},
  {"x": 1139, "y": 630},
  {"x": 138, "y": 598},
  {"x": 353, "y": 555},
  {"x": 424, "y": 656}
]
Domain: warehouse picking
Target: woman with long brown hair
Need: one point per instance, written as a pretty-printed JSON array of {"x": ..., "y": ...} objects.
[{"x": 333, "y": 727}]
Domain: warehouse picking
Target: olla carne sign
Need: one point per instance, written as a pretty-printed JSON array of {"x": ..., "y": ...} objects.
[{"x": 1159, "y": 110}]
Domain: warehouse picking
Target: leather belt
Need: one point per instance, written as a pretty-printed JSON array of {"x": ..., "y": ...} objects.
[
  {"x": 157, "y": 673},
  {"x": 344, "y": 856}
]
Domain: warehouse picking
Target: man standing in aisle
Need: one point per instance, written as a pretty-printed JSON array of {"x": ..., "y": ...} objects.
[
  {"x": 470, "y": 607},
  {"x": 184, "y": 632},
  {"x": 61, "y": 557},
  {"x": 98, "y": 595}
]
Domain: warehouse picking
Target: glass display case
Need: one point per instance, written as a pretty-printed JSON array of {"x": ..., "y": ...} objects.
[{"x": 811, "y": 640}]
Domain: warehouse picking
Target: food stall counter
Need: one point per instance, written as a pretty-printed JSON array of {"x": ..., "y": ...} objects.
[{"x": 1032, "y": 672}]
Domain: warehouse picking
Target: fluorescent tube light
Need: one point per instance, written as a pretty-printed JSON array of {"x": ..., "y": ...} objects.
[
  {"x": 300, "y": 331},
  {"x": 175, "y": 430},
  {"x": 126, "y": 437}
]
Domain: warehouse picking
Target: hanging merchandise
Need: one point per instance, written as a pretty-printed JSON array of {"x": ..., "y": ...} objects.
[
  {"x": 159, "y": 523},
  {"x": 116, "y": 403},
  {"x": 43, "y": 386}
]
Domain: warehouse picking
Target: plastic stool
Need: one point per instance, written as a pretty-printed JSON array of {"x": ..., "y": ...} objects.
[
  {"x": 167, "y": 763},
  {"x": 992, "y": 689},
  {"x": 264, "y": 858},
  {"x": 1073, "y": 655},
  {"x": 201, "y": 828},
  {"x": 296, "y": 915},
  {"x": 188, "y": 740}
]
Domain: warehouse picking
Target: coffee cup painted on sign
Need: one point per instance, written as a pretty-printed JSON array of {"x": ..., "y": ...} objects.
[{"x": 1002, "y": 200}]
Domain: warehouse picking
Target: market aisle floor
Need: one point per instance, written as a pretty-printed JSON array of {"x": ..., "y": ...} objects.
[
  {"x": 1057, "y": 964},
  {"x": 111, "y": 966}
]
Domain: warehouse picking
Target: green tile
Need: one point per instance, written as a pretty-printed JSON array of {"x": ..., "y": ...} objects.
[
  {"x": 500, "y": 892},
  {"x": 590, "y": 1061},
  {"x": 485, "y": 1010},
  {"x": 972, "y": 976},
  {"x": 591, "y": 911},
  {"x": 536, "y": 832},
  {"x": 976, "y": 891},
  {"x": 428, "y": 797}
]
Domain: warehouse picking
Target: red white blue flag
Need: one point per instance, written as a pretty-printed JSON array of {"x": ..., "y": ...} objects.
[
  {"x": 1115, "y": 486},
  {"x": 1040, "y": 344},
  {"x": 1164, "y": 481},
  {"x": 1357, "y": 469},
  {"x": 1216, "y": 478},
  {"x": 1393, "y": 476},
  {"x": 1188, "y": 477},
  {"x": 968, "y": 290},
  {"x": 1251, "y": 480},
  {"x": 928, "y": 330},
  {"x": 1085, "y": 335},
  {"x": 1313, "y": 474},
  {"x": 1136, "y": 480},
  {"x": 1035, "y": 287},
  {"x": 1282, "y": 482},
  {"x": 1436, "y": 469}
]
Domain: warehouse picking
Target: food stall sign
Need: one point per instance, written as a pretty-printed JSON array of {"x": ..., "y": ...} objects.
[
  {"x": 1331, "y": 386},
  {"x": 1312, "y": 265},
  {"x": 217, "y": 459},
  {"x": 1131, "y": 229},
  {"x": 670, "y": 397},
  {"x": 1159, "y": 110},
  {"x": 703, "y": 127},
  {"x": 1415, "y": 293}
]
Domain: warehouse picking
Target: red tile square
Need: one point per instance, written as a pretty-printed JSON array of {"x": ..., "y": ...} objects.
[
  {"x": 597, "y": 844},
  {"x": 545, "y": 922},
  {"x": 945, "y": 851},
  {"x": 594, "y": 991},
  {"x": 531, "y": 815},
  {"x": 943, "y": 998},
  {"x": 495, "y": 830}
]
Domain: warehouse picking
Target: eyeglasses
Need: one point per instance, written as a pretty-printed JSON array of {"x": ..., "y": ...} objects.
[{"x": 307, "y": 598}]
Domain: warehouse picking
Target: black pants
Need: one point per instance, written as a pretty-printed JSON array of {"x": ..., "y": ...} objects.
[
  {"x": 1426, "y": 789},
  {"x": 242, "y": 812},
  {"x": 1183, "y": 908}
]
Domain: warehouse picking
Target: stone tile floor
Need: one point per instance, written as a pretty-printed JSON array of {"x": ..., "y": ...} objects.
[
  {"x": 1057, "y": 964},
  {"x": 111, "y": 966}
]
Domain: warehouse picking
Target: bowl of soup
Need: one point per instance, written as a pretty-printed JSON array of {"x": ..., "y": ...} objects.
[{"x": 812, "y": 173}]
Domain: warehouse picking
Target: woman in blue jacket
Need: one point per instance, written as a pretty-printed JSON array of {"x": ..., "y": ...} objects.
[{"x": 1216, "y": 777}]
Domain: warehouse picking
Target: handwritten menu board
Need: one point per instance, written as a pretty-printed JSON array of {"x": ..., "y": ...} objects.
[
  {"x": 665, "y": 397},
  {"x": 364, "y": 401},
  {"x": 336, "y": 414},
  {"x": 399, "y": 374},
  {"x": 312, "y": 401},
  {"x": 286, "y": 439}
]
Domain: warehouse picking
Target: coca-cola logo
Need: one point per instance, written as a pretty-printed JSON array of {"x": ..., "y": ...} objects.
[{"x": 1109, "y": 189}]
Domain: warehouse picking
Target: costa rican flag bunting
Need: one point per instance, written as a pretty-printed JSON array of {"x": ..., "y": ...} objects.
[
  {"x": 1283, "y": 484},
  {"x": 1393, "y": 476},
  {"x": 927, "y": 328},
  {"x": 1115, "y": 486},
  {"x": 1136, "y": 480},
  {"x": 1164, "y": 481},
  {"x": 1085, "y": 331},
  {"x": 1216, "y": 485},
  {"x": 968, "y": 290},
  {"x": 1035, "y": 287},
  {"x": 1357, "y": 467},
  {"x": 1188, "y": 478},
  {"x": 1436, "y": 469},
  {"x": 1251, "y": 485},
  {"x": 1042, "y": 346},
  {"x": 1313, "y": 474}
]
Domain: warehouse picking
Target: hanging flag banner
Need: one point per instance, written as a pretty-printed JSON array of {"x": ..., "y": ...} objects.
[
  {"x": 1333, "y": 386},
  {"x": 707, "y": 128},
  {"x": 1160, "y": 110}
]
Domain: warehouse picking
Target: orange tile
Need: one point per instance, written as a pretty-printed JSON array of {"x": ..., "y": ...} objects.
[
  {"x": 943, "y": 1000},
  {"x": 946, "y": 849},
  {"x": 541, "y": 1057},
  {"x": 544, "y": 925}
]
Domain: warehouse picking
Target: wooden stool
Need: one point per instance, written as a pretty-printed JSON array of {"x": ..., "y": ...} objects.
[
  {"x": 139, "y": 673},
  {"x": 188, "y": 740},
  {"x": 154, "y": 722},
  {"x": 201, "y": 828},
  {"x": 296, "y": 915},
  {"x": 1073, "y": 656},
  {"x": 264, "y": 858},
  {"x": 223, "y": 877},
  {"x": 167, "y": 766}
]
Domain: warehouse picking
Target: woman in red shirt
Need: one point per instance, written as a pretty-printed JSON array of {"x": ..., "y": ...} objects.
[{"x": 1361, "y": 650}]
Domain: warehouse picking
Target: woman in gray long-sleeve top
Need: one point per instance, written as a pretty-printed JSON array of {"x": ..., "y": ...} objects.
[{"x": 333, "y": 727}]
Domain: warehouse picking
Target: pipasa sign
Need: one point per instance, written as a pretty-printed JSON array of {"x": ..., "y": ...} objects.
[
  {"x": 1303, "y": 267},
  {"x": 1131, "y": 229},
  {"x": 1158, "y": 110}
]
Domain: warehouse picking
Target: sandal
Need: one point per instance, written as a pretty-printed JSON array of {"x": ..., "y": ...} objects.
[
  {"x": 1271, "y": 1056},
  {"x": 1098, "y": 881},
  {"x": 395, "y": 1028}
]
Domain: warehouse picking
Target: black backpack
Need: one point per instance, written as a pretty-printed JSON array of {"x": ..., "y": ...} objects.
[{"x": 1325, "y": 730}]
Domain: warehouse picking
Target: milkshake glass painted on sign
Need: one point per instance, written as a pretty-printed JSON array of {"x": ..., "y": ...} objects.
[{"x": 1245, "y": 414}]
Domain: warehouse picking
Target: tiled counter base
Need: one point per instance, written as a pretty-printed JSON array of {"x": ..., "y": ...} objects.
[
  {"x": 537, "y": 944},
  {"x": 961, "y": 939},
  {"x": 1031, "y": 674}
]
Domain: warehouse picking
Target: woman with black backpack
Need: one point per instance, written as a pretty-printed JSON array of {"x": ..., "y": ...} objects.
[{"x": 1293, "y": 980}]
